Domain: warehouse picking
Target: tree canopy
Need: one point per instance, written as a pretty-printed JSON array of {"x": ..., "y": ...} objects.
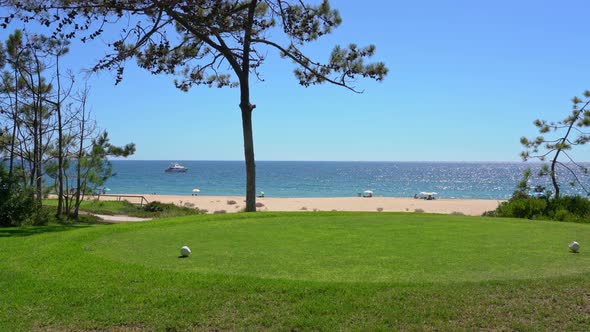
[
  {"x": 210, "y": 42},
  {"x": 557, "y": 139}
]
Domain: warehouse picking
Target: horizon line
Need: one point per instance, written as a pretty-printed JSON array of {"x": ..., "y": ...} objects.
[{"x": 347, "y": 161}]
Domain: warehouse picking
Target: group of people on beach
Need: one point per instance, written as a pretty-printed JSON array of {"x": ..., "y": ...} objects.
[{"x": 427, "y": 197}]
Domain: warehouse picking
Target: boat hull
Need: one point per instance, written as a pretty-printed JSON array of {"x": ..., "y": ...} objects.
[{"x": 176, "y": 170}]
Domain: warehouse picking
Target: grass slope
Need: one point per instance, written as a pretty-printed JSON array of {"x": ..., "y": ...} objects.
[
  {"x": 301, "y": 271},
  {"x": 126, "y": 208}
]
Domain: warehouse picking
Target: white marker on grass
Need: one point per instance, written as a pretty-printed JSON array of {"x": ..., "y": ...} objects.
[
  {"x": 185, "y": 251},
  {"x": 574, "y": 247}
]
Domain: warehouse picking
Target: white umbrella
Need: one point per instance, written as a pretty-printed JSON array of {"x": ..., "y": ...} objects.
[
  {"x": 368, "y": 193},
  {"x": 196, "y": 190}
]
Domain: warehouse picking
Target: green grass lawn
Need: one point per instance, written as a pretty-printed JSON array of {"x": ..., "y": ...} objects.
[{"x": 300, "y": 271}]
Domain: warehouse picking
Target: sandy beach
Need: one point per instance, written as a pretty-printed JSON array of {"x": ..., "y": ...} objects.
[{"x": 474, "y": 207}]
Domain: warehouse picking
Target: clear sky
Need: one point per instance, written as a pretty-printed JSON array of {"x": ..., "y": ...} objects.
[{"x": 466, "y": 80}]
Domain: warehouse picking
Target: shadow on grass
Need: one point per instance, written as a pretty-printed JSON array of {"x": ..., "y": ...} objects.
[{"x": 34, "y": 230}]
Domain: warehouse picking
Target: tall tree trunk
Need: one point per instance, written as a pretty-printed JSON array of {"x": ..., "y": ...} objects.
[
  {"x": 60, "y": 157},
  {"x": 14, "y": 123},
  {"x": 247, "y": 108},
  {"x": 560, "y": 148},
  {"x": 554, "y": 178},
  {"x": 38, "y": 160},
  {"x": 80, "y": 153},
  {"x": 39, "y": 131},
  {"x": 23, "y": 174},
  {"x": 78, "y": 179},
  {"x": 60, "y": 163},
  {"x": 35, "y": 148}
]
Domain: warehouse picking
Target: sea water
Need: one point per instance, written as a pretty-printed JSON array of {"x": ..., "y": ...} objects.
[{"x": 495, "y": 180}]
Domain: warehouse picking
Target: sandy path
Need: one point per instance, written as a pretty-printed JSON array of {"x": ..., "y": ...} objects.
[
  {"x": 229, "y": 204},
  {"x": 119, "y": 218}
]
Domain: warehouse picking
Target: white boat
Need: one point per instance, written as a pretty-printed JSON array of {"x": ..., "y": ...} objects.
[
  {"x": 538, "y": 192},
  {"x": 176, "y": 168}
]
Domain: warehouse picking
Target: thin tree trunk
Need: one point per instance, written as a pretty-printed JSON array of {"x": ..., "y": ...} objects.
[
  {"x": 79, "y": 173},
  {"x": 23, "y": 175},
  {"x": 14, "y": 122},
  {"x": 80, "y": 152},
  {"x": 39, "y": 131},
  {"x": 60, "y": 158},
  {"x": 247, "y": 109},
  {"x": 559, "y": 149},
  {"x": 249, "y": 153},
  {"x": 35, "y": 145},
  {"x": 554, "y": 177}
]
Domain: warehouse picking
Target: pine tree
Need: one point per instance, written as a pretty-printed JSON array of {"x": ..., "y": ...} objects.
[
  {"x": 567, "y": 134},
  {"x": 212, "y": 42}
]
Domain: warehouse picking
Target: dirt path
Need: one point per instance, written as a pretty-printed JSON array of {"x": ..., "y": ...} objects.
[{"x": 120, "y": 218}]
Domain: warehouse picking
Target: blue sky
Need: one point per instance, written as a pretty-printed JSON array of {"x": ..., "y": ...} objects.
[{"x": 466, "y": 80}]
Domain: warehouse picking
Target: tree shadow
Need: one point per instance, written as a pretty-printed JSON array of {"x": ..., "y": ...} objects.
[{"x": 35, "y": 230}]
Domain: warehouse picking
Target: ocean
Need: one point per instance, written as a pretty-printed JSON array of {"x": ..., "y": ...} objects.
[{"x": 489, "y": 180}]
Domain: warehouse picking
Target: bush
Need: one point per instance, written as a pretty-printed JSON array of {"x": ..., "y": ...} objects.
[
  {"x": 528, "y": 208},
  {"x": 154, "y": 206},
  {"x": 576, "y": 205},
  {"x": 17, "y": 206},
  {"x": 566, "y": 208},
  {"x": 562, "y": 215}
]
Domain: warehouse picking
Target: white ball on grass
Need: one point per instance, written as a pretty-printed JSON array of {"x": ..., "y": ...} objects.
[
  {"x": 185, "y": 251},
  {"x": 574, "y": 246}
]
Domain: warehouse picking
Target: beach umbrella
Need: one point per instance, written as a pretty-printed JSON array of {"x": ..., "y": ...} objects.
[
  {"x": 196, "y": 190},
  {"x": 368, "y": 193}
]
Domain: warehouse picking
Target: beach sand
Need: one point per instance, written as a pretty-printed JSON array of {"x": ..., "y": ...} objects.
[{"x": 474, "y": 207}]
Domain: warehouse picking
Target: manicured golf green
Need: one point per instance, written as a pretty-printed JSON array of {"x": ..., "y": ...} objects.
[
  {"x": 357, "y": 248},
  {"x": 297, "y": 271}
]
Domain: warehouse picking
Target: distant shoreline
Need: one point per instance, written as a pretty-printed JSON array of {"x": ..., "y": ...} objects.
[
  {"x": 464, "y": 180},
  {"x": 229, "y": 204}
]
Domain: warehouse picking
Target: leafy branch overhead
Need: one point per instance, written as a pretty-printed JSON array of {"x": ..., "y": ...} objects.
[
  {"x": 559, "y": 138},
  {"x": 202, "y": 41},
  {"x": 210, "y": 42}
]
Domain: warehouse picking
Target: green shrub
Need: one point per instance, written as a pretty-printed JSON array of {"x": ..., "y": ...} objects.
[
  {"x": 562, "y": 215},
  {"x": 154, "y": 206},
  {"x": 162, "y": 210},
  {"x": 17, "y": 206},
  {"x": 565, "y": 208},
  {"x": 577, "y": 205},
  {"x": 530, "y": 208}
]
